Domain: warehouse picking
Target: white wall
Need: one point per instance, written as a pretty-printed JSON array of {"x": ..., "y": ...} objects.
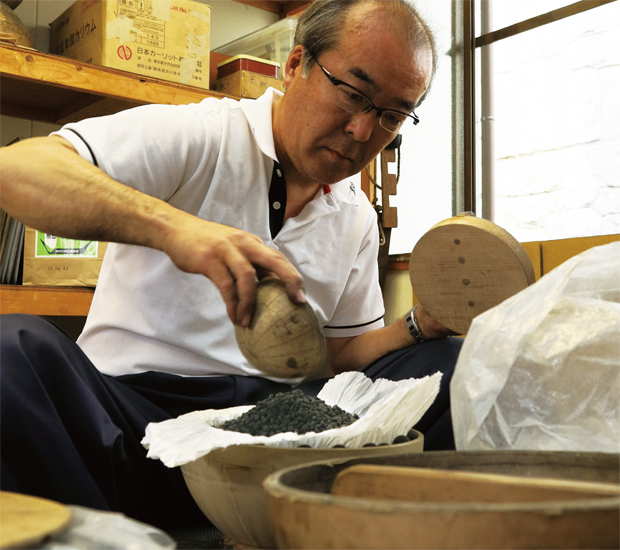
[{"x": 424, "y": 195}]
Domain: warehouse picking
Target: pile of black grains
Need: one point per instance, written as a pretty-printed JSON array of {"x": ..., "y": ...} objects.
[{"x": 290, "y": 412}]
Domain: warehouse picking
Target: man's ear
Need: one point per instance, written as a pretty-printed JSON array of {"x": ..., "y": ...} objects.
[{"x": 293, "y": 65}]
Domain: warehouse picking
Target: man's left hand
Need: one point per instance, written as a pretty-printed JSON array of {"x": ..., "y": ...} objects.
[{"x": 430, "y": 327}]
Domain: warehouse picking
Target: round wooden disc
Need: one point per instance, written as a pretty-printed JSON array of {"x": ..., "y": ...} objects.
[
  {"x": 464, "y": 266},
  {"x": 25, "y": 521}
]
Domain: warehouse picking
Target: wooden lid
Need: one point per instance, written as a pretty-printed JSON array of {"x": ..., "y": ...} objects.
[
  {"x": 249, "y": 58},
  {"x": 27, "y": 520},
  {"x": 464, "y": 266}
]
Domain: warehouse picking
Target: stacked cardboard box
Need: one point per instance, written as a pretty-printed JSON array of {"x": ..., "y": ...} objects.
[{"x": 168, "y": 40}]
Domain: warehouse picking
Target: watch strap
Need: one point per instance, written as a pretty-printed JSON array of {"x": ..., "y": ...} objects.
[{"x": 414, "y": 327}]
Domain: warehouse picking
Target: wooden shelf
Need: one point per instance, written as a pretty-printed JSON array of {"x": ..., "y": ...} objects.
[
  {"x": 49, "y": 88},
  {"x": 283, "y": 8},
  {"x": 45, "y": 300}
]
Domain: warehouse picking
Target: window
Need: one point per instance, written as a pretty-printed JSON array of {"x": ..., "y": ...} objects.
[
  {"x": 554, "y": 160},
  {"x": 546, "y": 165}
]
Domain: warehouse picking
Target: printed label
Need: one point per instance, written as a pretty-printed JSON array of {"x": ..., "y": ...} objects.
[
  {"x": 124, "y": 52},
  {"x": 147, "y": 29},
  {"x": 49, "y": 246}
]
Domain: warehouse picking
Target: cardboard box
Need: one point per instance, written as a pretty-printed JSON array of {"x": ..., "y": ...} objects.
[
  {"x": 533, "y": 250},
  {"x": 247, "y": 84},
  {"x": 168, "y": 40},
  {"x": 54, "y": 261},
  {"x": 555, "y": 253}
]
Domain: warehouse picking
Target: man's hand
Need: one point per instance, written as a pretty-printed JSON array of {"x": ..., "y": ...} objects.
[
  {"x": 232, "y": 259},
  {"x": 352, "y": 353},
  {"x": 429, "y": 327}
]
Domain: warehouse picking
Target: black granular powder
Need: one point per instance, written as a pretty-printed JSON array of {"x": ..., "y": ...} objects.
[{"x": 290, "y": 412}]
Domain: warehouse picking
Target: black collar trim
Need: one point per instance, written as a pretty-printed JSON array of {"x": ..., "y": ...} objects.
[{"x": 277, "y": 200}]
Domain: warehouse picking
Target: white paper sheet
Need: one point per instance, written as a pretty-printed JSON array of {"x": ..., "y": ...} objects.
[{"x": 386, "y": 409}]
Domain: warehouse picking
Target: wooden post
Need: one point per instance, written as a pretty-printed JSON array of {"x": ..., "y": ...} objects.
[
  {"x": 388, "y": 184},
  {"x": 367, "y": 187}
]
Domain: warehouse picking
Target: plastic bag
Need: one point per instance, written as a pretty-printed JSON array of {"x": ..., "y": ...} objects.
[
  {"x": 90, "y": 529},
  {"x": 541, "y": 371},
  {"x": 386, "y": 409}
]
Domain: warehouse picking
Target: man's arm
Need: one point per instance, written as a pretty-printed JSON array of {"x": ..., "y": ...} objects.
[
  {"x": 346, "y": 354},
  {"x": 47, "y": 185}
]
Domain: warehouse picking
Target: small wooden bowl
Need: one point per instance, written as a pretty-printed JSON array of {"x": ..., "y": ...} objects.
[
  {"x": 464, "y": 266},
  {"x": 284, "y": 340}
]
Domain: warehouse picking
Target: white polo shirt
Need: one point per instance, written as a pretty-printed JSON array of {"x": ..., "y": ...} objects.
[{"x": 215, "y": 160}]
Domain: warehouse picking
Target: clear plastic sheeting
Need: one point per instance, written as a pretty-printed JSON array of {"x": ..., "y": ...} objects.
[
  {"x": 386, "y": 409},
  {"x": 541, "y": 371}
]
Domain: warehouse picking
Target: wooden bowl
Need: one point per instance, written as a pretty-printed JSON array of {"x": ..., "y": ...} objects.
[
  {"x": 227, "y": 483},
  {"x": 464, "y": 266},
  {"x": 12, "y": 29},
  {"x": 531, "y": 500}
]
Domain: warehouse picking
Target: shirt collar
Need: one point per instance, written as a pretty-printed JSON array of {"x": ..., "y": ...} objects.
[
  {"x": 345, "y": 191},
  {"x": 258, "y": 115}
]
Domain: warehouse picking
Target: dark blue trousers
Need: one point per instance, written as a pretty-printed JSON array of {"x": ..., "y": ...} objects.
[{"x": 72, "y": 434}]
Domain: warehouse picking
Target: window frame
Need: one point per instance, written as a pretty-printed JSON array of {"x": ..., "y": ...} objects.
[{"x": 464, "y": 45}]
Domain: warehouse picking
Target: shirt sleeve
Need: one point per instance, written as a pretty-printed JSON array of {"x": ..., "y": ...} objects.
[
  {"x": 360, "y": 308},
  {"x": 156, "y": 149}
]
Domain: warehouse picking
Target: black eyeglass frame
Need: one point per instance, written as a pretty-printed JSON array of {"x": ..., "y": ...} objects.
[{"x": 337, "y": 82}]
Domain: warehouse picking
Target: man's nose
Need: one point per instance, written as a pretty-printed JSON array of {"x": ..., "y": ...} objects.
[{"x": 361, "y": 126}]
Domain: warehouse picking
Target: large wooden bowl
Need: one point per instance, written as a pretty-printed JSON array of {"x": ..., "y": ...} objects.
[
  {"x": 227, "y": 483},
  {"x": 464, "y": 266},
  {"x": 543, "y": 507}
]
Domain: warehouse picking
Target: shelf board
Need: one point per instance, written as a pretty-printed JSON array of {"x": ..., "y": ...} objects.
[
  {"x": 283, "y": 8},
  {"x": 50, "y": 88},
  {"x": 37, "y": 300}
]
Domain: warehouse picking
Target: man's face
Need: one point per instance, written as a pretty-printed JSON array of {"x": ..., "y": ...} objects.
[{"x": 320, "y": 140}]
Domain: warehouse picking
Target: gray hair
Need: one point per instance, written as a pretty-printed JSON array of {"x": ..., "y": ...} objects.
[{"x": 320, "y": 26}]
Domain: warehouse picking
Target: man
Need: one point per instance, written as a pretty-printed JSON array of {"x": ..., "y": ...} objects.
[{"x": 206, "y": 199}]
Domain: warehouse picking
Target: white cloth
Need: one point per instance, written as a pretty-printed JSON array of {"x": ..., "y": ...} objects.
[{"x": 215, "y": 160}]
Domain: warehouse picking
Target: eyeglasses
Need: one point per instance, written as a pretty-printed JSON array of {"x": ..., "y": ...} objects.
[{"x": 353, "y": 101}]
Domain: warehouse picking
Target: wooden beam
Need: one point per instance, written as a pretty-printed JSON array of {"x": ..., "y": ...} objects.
[
  {"x": 366, "y": 184},
  {"x": 267, "y": 5},
  {"x": 539, "y": 20},
  {"x": 284, "y": 8},
  {"x": 388, "y": 188},
  {"x": 294, "y": 8},
  {"x": 45, "y": 300}
]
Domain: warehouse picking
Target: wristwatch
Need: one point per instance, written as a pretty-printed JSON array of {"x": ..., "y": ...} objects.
[{"x": 414, "y": 327}]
